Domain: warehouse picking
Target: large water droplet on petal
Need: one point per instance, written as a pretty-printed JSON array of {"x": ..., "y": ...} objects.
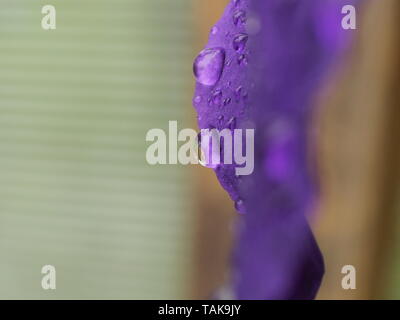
[
  {"x": 239, "y": 42},
  {"x": 208, "y": 66}
]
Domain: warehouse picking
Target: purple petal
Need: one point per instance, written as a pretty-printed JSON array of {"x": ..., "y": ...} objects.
[{"x": 277, "y": 55}]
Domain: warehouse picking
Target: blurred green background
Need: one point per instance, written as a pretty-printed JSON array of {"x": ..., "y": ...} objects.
[{"x": 76, "y": 191}]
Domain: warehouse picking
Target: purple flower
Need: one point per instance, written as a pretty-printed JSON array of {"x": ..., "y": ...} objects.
[{"x": 268, "y": 59}]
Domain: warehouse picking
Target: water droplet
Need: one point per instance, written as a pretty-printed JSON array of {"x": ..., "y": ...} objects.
[
  {"x": 239, "y": 42},
  {"x": 240, "y": 94},
  {"x": 208, "y": 66},
  {"x": 209, "y": 155},
  {"x": 239, "y": 17},
  {"x": 227, "y": 101},
  {"x": 239, "y": 206},
  {"x": 242, "y": 60},
  {"x": 220, "y": 118},
  {"x": 197, "y": 99},
  {"x": 217, "y": 98},
  {"x": 214, "y": 30},
  {"x": 232, "y": 123}
]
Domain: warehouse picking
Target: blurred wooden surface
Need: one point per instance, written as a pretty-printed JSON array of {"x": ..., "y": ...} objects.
[{"x": 359, "y": 156}]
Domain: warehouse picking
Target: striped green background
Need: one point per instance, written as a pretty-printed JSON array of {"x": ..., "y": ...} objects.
[{"x": 75, "y": 189}]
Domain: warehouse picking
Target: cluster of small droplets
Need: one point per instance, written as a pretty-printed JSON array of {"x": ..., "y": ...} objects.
[
  {"x": 239, "y": 43},
  {"x": 210, "y": 65}
]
